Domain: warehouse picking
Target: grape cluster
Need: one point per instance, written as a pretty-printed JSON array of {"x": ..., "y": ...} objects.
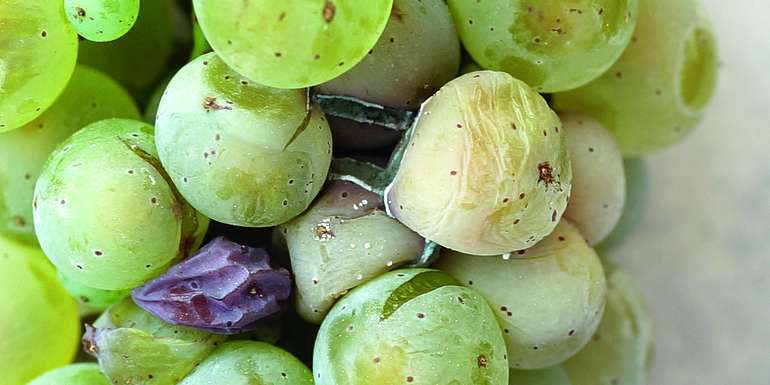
[{"x": 390, "y": 191}]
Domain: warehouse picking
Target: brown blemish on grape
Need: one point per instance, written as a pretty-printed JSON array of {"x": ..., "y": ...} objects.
[
  {"x": 19, "y": 221},
  {"x": 98, "y": 253},
  {"x": 618, "y": 74},
  {"x": 571, "y": 332},
  {"x": 522, "y": 195},
  {"x": 562, "y": 239},
  {"x": 453, "y": 173},
  {"x": 44, "y": 34},
  {"x": 396, "y": 13},
  {"x": 553, "y": 216},
  {"x": 282, "y": 16},
  {"x": 329, "y": 10},
  {"x": 481, "y": 360},
  {"x": 210, "y": 104},
  {"x": 409, "y": 379},
  {"x": 546, "y": 174},
  {"x": 376, "y": 360},
  {"x": 516, "y": 222},
  {"x": 80, "y": 12},
  {"x": 420, "y": 315}
]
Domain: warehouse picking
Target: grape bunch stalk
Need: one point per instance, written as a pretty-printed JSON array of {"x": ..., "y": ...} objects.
[{"x": 334, "y": 192}]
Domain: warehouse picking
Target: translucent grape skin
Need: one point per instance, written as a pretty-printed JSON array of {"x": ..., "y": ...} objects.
[
  {"x": 598, "y": 178},
  {"x": 340, "y": 242},
  {"x": 292, "y": 43},
  {"x": 89, "y": 96},
  {"x": 73, "y": 374},
  {"x": 657, "y": 91},
  {"x": 36, "y": 314},
  {"x": 486, "y": 171},
  {"x": 138, "y": 59},
  {"x": 102, "y": 20},
  {"x": 259, "y": 177},
  {"x": 104, "y": 188},
  {"x": 394, "y": 329},
  {"x": 91, "y": 301},
  {"x": 548, "y": 299},
  {"x": 397, "y": 72},
  {"x": 247, "y": 362},
  {"x": 38, "y": 49},
  {"x": 552, "y": 45},
  {"x": 135, "y": 347},
  {"x": 621, "y": 351}
]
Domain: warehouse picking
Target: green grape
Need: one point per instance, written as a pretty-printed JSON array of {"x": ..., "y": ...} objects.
[
  {"x": 151, "y": 109},
  {"x": 548, "y": 299},
  {"x": 620, "y": 352},
  {"x": 258, "y": 177},
  {"x": 292, "y": 43},
  {"x": 38, "y": 49},
  {"x": 395, "y": 329},
  {"x": 102, "y": 20},
  {"x": 39, "y": 325},
  {"x": 138, "y": 59},
  {"x": 91, "y": 301},
  {"x": 247, "y": 362},
  {"x": 657, "y": 91},
  {"x": 105, "y": 213},
  {"x": 554, "y": 375},
  {"x": 342, "y": 241},
  {"x": 486, "y": 170},
  {"x": 598, "y": 179},
  {"x": 89, "y": 96},
  {"x": 397, "y": 72},
  {"x": 134, "y": 347},
  {"x": 73, "y": 374},
  {"x": 552, "y": 45},
  {"x": 637, "y": 187}
]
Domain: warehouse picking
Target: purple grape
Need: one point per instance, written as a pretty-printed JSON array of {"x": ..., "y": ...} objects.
[{"x": 225, "y": 288}]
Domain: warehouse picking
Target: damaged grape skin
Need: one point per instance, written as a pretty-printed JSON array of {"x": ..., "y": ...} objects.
[
  {"x": 396, "y": 72},
  {"x": 548, "y": 299},
  {"x": 552, "y": 45},
  {"x": 621, "y": 350},
  {"x": 134, "y": 347},
  {"x": 258, "y": 177},
  {"x": 495, "y": 148},
  {"x": 89, "y": 96},
  {"x": 599, "y": 182},
  {"x": 656, "y": 93},
  {"x": 225, "y": 288},
  {"x": 341, "y": 242},
  {"x": 104, "y": 212},
  {"x": 394, "y": 330},
  {"x": 244, "y": 362},
  {"x": 73, "y": 374}
]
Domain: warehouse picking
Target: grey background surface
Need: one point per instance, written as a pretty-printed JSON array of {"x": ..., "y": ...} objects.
[{"x": 702, "y": 251}]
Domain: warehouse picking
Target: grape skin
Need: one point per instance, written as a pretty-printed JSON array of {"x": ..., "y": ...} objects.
[
  {"x": 554, "y": 375},
  {"x": 37, "y": 315},
  {"x": 656, "y": 93},
  {"x": 102, "y": 20},
  {"x": 292, "y": 43},
  {"x": 90, "y": 96},
  {"x": 90, "y": 301},
  {"x": 73, "y": 374},
  {"x": 38, "y": 49}
]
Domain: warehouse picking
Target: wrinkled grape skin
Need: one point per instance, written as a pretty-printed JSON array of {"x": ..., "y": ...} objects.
[
  {"x": 258, "y": 177},
  {"x": 548, "y": 299},
  {"x": 138, "y": 59},
  {"x": 495, "y": 149},
  {"x": 73, "y": 374},
  {"x": 247, "y": 362},
  {"x": 102, "y": 20},
  {"x": 552, "y": 45},
  {"x": 36, "y": 314},
  {"x": 340, "y": 243},
  {"x": 397, "y": 72},
  {"x": 225, "y": 288},
  {"x": 359, "y": 343},
  {"x": 104, "y": 212},
  {"x": 554, "y": 375},
  {"x": 90, "y": 96},
  {"x": 134, "y": 347},
  {"x": 657, "y": 91},
  {"x": 38, "y": 49},
  {"x": 91, "y": 301},
  {"x": 620, "y": 353},
  {"x": 292, "y": 43},
  {"x": 598, "y": 179}
]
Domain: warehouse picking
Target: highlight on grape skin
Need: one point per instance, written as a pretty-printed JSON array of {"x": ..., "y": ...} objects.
[
  {"x": 225, "y": 288},
  {"x": 486, "y": 171},
  {"x": 553, "y": 45},
  {"x": 89, "y": 96},
  {"x": 258, "y": 38},
  {"x": 341, "y": 242},
  {"x": 259, "y": 177},
  {"x": 548, "y": 299},
  {"x": 102, "y": 20},
  {"x": 656, "y": 93}
]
